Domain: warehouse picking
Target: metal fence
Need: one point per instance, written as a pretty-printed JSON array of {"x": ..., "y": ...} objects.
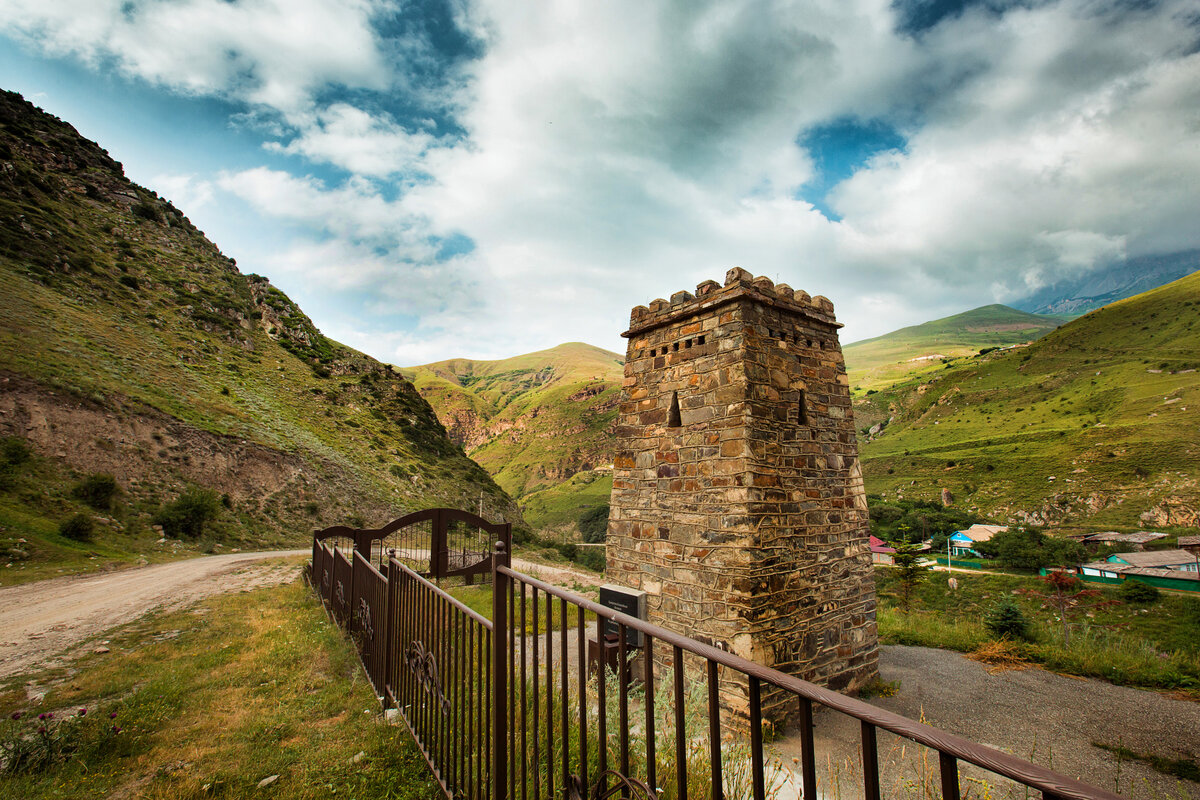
[{"x": 529, "y": 704}]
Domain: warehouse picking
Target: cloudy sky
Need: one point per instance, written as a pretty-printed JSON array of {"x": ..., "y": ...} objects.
[{"x": 479, "y": 178}]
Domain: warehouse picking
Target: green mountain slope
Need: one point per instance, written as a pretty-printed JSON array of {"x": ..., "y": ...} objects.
[
  {"x": 1096, "y": 423},
  {"x": 130, "y": 345},
  {"x": 918, "y": 349},
  {"x": 533, "y": 421}
]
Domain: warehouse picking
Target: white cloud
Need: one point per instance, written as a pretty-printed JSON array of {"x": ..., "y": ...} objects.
[
  {"x": 270, "y": 52},
  {"x": 357, "y": 142},
  {"x": 618, "y": 151},
  {"x": 189, "y": 192}
]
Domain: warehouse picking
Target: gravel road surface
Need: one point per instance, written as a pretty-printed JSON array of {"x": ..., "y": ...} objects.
[{"x": 41, "y": 621}]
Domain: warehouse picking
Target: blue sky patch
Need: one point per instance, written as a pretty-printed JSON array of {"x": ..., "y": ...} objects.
[{"x": 838, "y": 149}]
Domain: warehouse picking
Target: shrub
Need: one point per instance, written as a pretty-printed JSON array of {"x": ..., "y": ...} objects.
[
  {"x": 78, "y": 528},
  {"x": 593, "y": 524},
  {"x": 97, "y": 490},
  {"x": 190, "y": 514},
  {"x": 592, "y": 558},
  {"x": 1132, "y": 591},
  {"x": 1006, "y": 621},
  {"x": 567, "y": 550},
  {"x": 146, "y": 211},
  {"x": 14, "y": 451}
]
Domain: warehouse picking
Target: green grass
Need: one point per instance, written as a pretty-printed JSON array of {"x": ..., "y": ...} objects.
[
  {"x": 213, "y": 700},
  {"x": 1085, "y": 427},
  {"x": 479, "y": 600},
  {"x": 1147, "y": 646}
]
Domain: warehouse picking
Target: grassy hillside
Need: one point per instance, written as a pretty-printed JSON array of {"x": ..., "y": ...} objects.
[
  {"x": 920, "y": 349},
  {"x": 131, "y": 346},
  {"x": 1093, "y": 424},
  {"x": 534, "y": 420}
]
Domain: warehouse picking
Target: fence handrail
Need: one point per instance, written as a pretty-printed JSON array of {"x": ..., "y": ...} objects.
[
  {"x": 1038, "y": 777},
  {"x": 432, "y": 514}
]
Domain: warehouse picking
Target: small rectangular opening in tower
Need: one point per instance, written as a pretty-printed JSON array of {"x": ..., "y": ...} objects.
[
  {"x": 802, "y": 409},
  {"x": 673, "y": 417}
]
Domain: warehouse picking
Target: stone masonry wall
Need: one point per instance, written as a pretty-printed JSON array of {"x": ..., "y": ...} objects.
[{"x": 738, "y": 501}]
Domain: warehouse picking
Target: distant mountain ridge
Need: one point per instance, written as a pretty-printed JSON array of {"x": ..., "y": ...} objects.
[
  {"x": 878, "y": 362},
  {"x": 1109, "y": 284},
  {"x": 130, "y": 345}
]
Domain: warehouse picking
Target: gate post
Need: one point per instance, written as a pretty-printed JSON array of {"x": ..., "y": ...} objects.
[{"x": 501, "y": 658}]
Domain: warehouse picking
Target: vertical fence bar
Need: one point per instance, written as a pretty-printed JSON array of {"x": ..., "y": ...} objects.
[
  {"x": 549, "y": 695},
  {"x": 512, "y": 689},
  {"x": 680, "y": 729},
  {"x": 651, "y": 757},
  {"x": 756, "y": 743},
  {"x": 714, "y": 732},
  {"x": 949, "y": 769},
  {"x": 537, "y": 769},
  {"x": 499, "y": 672},
  {"x": 562, "y": 658},
  {"x": 601, "y": 701},
  {"x": 524, "y": 702},
  {"x": 808, "y": 756},
  {"x": 583, "y": 681},
  {"x": 870, "y": 754},
  {"x": 623, "y": 695}
]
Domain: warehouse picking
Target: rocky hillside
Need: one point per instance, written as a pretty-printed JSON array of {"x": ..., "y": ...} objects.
[
  {"x": 1095, "y": 424},
  {"x": 131, "y": 346},
  {"x": 534, "y": 421}
]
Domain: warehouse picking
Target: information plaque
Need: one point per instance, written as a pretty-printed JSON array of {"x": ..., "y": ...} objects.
[{"x": 627, "y": 601}]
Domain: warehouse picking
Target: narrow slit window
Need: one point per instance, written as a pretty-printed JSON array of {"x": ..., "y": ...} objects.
[
  {"x": 802, "y": 408},
  {"x": 700, "y": 340},
  {"x": 673, "y": 418},
  {"x": 687, "y": 345},
  {"x": 675, "y": 347}
]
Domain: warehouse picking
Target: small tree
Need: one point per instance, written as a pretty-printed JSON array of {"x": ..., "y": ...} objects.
[
  {"x": 911, "y": 570},
  {"x": 1006, "y": 621},
  {"x": 190, "y": 514},
  {"x": 1066, "y": 595},
  {"x": 1138, "y": 593}
]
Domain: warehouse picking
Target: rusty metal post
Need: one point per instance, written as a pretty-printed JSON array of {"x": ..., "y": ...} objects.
[{"x": 501, "y": 585}]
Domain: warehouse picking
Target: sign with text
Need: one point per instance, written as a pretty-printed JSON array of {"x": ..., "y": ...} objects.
[{"x": 627, "y": 601}]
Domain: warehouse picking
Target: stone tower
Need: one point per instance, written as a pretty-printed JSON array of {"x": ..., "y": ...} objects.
[{"x": 737, "y": 499}]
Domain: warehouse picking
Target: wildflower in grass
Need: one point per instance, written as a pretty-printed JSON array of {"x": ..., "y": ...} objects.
[
  {"x": 83, "y": 712},
  {"x": 17, "y": 715},
  {"x": 113, "y": 715}
]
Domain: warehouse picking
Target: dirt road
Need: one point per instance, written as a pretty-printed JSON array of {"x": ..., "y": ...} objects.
[{"x": 39, "y": 622}]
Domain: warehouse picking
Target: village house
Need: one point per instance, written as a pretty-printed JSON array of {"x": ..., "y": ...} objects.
[
  {"x": 962, "y": 543},
  {"x": 881, "y": 553},
  {"x": 1159, "y": 559}
]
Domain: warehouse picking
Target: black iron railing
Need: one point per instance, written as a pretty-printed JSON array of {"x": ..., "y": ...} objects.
[{"x": 528, "y": 704}]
